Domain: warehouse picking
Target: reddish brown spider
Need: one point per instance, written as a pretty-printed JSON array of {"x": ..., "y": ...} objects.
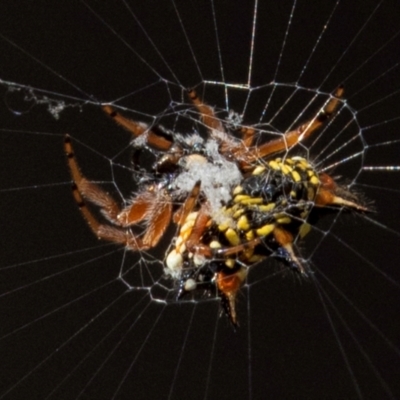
[{"x": 227, "y": 221}]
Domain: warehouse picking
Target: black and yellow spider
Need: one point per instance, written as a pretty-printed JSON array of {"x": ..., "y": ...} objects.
[{"x": 232, "y": 202}]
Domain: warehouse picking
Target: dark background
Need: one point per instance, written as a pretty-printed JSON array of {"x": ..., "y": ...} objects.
[{"x": 70, "y": 328}]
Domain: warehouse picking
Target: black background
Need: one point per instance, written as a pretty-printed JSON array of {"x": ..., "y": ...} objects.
[{"x": 70, "y": 328}]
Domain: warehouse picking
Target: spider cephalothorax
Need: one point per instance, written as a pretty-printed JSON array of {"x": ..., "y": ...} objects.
[{"x": 233, "y": 205}]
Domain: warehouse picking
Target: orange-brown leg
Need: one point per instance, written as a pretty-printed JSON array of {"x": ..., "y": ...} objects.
[
  {"x": 326, "y": 195},
  {"x": 193, "y": 243},
  {"x": 228, "y": 146},
  {"x": 87, "y": 189},
  {"x": 291, "y": 138},
  {"x": 207, "y": 113},
  {"x": 138, "y": 129},
  {"x": 158, "y": 219},
  {"x": 187, "y": 207},
  {"x": 229, "y": 251},
  {"x": 153, "y": 206},
  {"x": 83, "y": 188},
  {"x": 248, "y": 135},
  {"x": 105, "y": 232},
  {"x": 138, "y": 210},
  {"x": 158, "y": 216}
]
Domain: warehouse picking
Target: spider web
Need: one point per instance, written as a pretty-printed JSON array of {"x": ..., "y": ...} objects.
[{"x": 86, "y": 319}]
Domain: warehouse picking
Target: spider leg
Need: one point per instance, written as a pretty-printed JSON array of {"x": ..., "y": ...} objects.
[
  {"x": 240, "y": 248},
  {"x": 182, "y": 213},
  {"x": 87, "y": 189},
  {"x": 248, "y": 135},
  {"x": 158, "y": 217},
  {"x": 291, "y": 138},
  {"x": 138, "y": 210},
  {"x": 153, "y": 206},
  {"x": 138, "y": 128},
  {"x": 187, "y": 222},
  {"x": 102, "y": 231},
  {"x": 228, "y": 146},
  {"x": 193, "y": 242},
  {"x": 207, "y": 113}
]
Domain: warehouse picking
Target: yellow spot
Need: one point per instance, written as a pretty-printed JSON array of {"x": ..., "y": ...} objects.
[
  {"x": 250, "y": 235},
  {"x": 243, "y": 223},
  {"x": 280, "y": 215},
  {"x": 310, "y": 193},
  {"x": 274, "y": 165},
  {"x": 284, "y": 220},
  {"x": 230, "y": 263},
  {"x": 265, "y": 230},
  {"x": 223, "y": 226},
  {"x": 232, "y": 209},
  {"x": 314, "y": 180},
  {"x": 256, "y": 258},
  {"x": 266, "y": 207},
  {"x": 258, "y": 170},
  {"x": 301, "y": 167},
  {"x": 298, "y": 158},
  {"x": 232, "y": 237},
  {"x": 296, "y": 176},
  {"x": 237, "y": 190},
  {"x": 293, "y": 194},
  {"x": 192, "y": 216},
  {"x": 286, "y": 169},
  {"x": 215, "y": 244},
  {"x": 304, "y": 230},
  {"x": 305, "y": 163},
  {"x": 289, "y": 161},
  {"x": 253, "y": 200},
  {"x": 238, "y": 213},
  {"x": 240, "y": 197}
]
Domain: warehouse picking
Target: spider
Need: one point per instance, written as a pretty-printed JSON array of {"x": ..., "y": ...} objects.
[{"x": 233, "y": 204}]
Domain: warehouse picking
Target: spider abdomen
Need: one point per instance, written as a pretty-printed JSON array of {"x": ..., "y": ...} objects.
[{"x": 279, "y": 194}]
